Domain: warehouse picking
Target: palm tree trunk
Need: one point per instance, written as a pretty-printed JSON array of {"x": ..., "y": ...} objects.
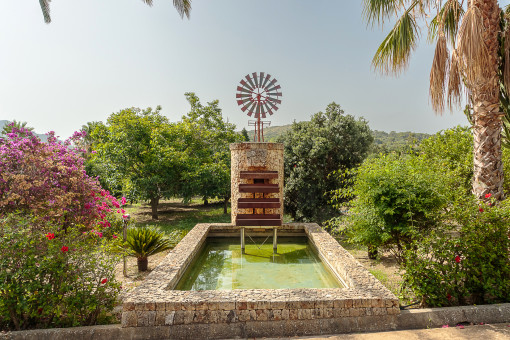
[{"x": 487, "y": 123}]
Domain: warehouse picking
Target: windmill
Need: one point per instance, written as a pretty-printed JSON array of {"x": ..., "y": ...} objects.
[{"x": 258, "y": 94}]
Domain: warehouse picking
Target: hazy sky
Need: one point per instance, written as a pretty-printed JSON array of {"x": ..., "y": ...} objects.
[{"x": 100, "y": 56}]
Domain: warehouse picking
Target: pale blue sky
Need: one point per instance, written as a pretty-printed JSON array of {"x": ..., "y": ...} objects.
[{"x": 100, "y": 56}]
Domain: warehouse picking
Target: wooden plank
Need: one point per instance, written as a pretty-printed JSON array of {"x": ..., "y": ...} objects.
[
  {"x": 258, "y": 216},
  {"x": 254, "y": 221},
  {"x": 258, "y": 174},
  {"x": 260, "y": 187},
  {"x": 250, "y": 203}
]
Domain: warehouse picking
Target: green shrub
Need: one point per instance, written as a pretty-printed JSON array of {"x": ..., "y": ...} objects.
[
  {"x": 394, "y": 198},
  {"x": 54, "y": 278},
  {"x": 464, "y": 262},
  {"x": 146, "y": 241}
]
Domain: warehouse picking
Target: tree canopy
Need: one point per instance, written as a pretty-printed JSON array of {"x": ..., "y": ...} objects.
[{"x": 331, "y": 141}]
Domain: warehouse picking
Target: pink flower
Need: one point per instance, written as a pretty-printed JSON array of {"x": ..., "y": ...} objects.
[
  {"x": 114, "y": 236},
  {"x": 123, "y": 201},
  {"x": 123, "y": 211},
  {"x": 480, "y": 210},
  {"x": 64, "y": 249},
  {"x": 488, "y": 195},
  {"x": 445, "y": 326},
  {"x": 50, "y": 236},
  {"x": 457, "y": 259},
  {"x": 460, "y": 326},
  {"x": 104, "y": 281},
  {"x": 100, "y": 234}
]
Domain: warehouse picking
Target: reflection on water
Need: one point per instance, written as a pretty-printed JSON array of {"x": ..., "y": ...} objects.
[{"x": 221, "y": 265}]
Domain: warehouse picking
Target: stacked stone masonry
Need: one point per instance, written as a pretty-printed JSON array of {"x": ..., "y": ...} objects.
[
  {"x": 155, "y": 303},
  {"x": 255, "y": 157}
]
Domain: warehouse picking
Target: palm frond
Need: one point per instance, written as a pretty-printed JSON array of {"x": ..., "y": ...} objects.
[
  {"x": 448, "y": 19},
  {"x": 45, "y": 7},
  {"x": 471, "y": 48},
  {"x": 440, "y": 67},
  {"x": 146, "y": 241},
  {"x": 394, "y": 53},
  {"x": 380, "y": 10},
  {"x": 454, "y": 83},
  {"x": 183, "y": 7}
]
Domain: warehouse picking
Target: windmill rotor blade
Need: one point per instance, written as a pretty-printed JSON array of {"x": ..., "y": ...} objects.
[
  {"x": 272, "y": 105},
  {"x": 252, "y": 108},
  {"x": 277, "y": 94},
  {"x": 246, "y": 85},
  {"x": 274, "y": 88},
  {"x": 255, "y": 79},
  {"x": 266, "y": 80},
  {"x": 271, "y": 83},
  {"x": 261, "y": 78},
  {"x": 242, "y": 95},
  {"x": 274, "y": 100},
  {"x": 250, "y": 81},
  {"x": 268, "y": 109},
  {"x": 242, "y": 89},
  {"x": 243, "y": 101},
  {"x": 262, "y": 111}
]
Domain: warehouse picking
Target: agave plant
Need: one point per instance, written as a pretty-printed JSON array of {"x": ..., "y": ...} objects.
[{"x": 144, "y": 242}]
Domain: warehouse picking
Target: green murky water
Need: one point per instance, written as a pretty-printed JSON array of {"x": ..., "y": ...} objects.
[{"x": 222, "y": 266}]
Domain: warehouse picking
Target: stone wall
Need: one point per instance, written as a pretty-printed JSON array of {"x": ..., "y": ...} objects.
[
  {"x": 155, "y": 303},
  {"x": 255, "y": 157}
]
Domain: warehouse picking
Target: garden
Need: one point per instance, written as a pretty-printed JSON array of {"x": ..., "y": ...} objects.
[
  {"x": 82, "y": 221},
  {"x": 408, "y": 215}
]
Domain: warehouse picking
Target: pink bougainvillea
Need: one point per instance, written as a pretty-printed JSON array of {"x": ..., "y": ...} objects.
[{"x": 48, "y": 179}]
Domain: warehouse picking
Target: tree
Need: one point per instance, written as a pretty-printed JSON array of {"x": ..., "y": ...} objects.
[
  {"x": 208, "y": 174},
  {"x": 47, "y": 179},
  {"x": 182, "y": 6},
  {"x": 473, "y": 35},
  {"x": 244, "y": 133},
  {"x": 144, "y": 152},
  {"x": 19, "y": 127},
  {"x": 314, "y": 151}
]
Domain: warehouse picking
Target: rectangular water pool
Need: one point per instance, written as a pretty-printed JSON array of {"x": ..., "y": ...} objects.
[{"x": 222, "y": 266}]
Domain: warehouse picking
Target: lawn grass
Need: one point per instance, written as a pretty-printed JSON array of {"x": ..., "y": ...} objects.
[{"x": 176, "y": 219}]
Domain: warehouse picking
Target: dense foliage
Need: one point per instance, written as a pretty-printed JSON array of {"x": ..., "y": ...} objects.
[
  {"x": 452, "y": 248},
  {"x": 314, "y": 150},
  {"x": 466, "y": 260},
  {"x": 50, "y": 277},
  {"x": 146, "y": 157},
  {"x": 142, "y": 151},
  {"x": 57, "y": 227},
  {"x": 49, "y": 180},
  {"x": 395, "y": 198}
]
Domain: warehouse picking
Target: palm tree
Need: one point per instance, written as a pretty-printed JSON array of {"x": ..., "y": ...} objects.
[
  {"x": 182, "y": 6},
  {"x": 471, "y": 29}
]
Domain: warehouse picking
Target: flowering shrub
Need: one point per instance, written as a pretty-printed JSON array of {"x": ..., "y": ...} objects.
[
  {"x": 464, "y": 262},
  {"x": 49, "y": 180},
  {"x": 50, "y": 277}
]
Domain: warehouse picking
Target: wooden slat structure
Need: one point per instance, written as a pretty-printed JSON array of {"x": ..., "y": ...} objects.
[{"x": 262, "y": 186}]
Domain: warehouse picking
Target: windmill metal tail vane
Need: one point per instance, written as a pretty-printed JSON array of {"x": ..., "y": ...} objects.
[{"x": 258, "y": 95}]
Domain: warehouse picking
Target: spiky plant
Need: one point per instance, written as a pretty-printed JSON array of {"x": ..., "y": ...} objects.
[{"x": 144, "y": 242}]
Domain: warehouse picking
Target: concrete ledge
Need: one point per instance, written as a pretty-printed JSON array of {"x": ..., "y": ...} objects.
[
  {"x": 437, "y": 317},
  {"x": 409, "y": 319}
]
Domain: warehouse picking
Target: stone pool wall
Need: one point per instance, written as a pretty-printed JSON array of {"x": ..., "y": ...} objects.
[{"x": 291, "y": 311}]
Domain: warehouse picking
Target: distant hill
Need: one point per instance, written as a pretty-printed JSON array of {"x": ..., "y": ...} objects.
[
  {"x": 3, "y": 123},
  {"x": 383, "y": 140}
]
